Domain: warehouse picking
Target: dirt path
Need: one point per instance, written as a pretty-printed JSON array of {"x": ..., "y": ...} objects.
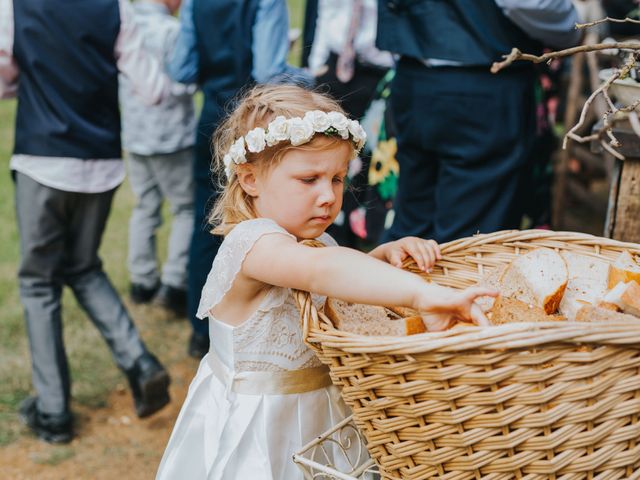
[{"x": 112, "y": 443}]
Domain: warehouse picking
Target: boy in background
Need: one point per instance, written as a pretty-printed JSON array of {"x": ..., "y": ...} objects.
[{"x": 159, "y": 140}]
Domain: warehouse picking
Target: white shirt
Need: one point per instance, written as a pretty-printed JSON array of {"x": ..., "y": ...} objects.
[
  {"x": 170, "y": 125},
  {"x": 332, "y": 28},
  {"x": 89, "y": 175}
]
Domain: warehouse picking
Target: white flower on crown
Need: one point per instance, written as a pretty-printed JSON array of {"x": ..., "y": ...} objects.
[
  {"x": 277, "y": 131},
  {"x": 319, "y": 120},
  {"x": 227, "y": 165},
  {"x": 340, "y": 123},
  {"x": 357, "y": 133},
  {"x": 300, "y": 131},
  {"x": 256, "y": 140},
  {"x": 238, "y": 152}
]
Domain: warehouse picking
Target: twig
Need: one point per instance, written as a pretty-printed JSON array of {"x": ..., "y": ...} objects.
[
  {"x": 611, "y": 150},
  {"x": 583, "y": 114},
  {"x": 631, "y": 107},
  {"x": 607, "y": 19},
  {"x": 516, "y": 54},
  {"x": 603, "y": 89}
]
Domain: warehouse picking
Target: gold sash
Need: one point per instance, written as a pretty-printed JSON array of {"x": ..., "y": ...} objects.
[{"x": 270, "y": 383}]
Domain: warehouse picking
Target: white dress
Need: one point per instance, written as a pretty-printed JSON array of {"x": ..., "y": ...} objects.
[{"x": 236, "y": 422}]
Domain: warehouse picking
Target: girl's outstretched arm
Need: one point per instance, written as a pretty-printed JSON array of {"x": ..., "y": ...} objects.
[{"x": 355, "y": 277}]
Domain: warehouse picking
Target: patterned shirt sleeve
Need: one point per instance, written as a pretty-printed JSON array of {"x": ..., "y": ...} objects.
[{"x": 8, "y": 68}]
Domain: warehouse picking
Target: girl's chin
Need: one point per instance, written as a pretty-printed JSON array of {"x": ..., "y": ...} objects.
[{"x": 311, "y": 233}]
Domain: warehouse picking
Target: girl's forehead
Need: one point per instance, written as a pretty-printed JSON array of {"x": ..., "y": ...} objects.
[{"x": 336, "y": 158}]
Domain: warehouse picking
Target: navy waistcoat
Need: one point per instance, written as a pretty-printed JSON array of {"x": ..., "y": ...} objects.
[
  {"x": 471, "y": 32},
  {"x": 68, "y": 86},
  {"x": 224, "y": 32}
]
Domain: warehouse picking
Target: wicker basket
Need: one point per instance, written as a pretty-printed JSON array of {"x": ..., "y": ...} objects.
[{"x": 556, "y": 400}]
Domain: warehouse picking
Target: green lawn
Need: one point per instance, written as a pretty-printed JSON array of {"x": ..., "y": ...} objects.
[{"x": 94, "y": 374}]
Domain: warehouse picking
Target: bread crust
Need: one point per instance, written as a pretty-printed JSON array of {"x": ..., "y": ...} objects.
[{"x": 382, "y": 321}]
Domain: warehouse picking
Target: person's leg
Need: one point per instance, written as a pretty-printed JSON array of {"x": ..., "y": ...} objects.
[
  {"x": 97, "y": 296},
  {"x": 414, "y": 204},
  {"x": 145, "y": 220},
  {"x": 175, "y": 177},
  {"x": 485, "y": 130},
  {"x": 203, "y": 246},
  {"x": 89, "y": 282},
  {"x": 40, "y": 212}
]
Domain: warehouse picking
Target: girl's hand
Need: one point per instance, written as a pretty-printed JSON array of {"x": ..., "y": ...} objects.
[
  {"x": 424, "y": 252},
  {"x": 454, "y": 306}
]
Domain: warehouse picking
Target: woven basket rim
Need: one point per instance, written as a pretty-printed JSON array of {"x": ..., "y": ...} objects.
[{"x": 318, "y": 329}]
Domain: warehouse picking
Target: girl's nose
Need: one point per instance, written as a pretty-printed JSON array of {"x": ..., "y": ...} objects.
[{"x": 327, "y": 195}]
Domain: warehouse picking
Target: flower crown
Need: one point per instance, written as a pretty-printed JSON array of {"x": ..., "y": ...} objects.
[{"x": 297, "y": 131}]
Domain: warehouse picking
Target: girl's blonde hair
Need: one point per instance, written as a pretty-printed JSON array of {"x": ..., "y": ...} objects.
[{"x": 257, "y": 108}]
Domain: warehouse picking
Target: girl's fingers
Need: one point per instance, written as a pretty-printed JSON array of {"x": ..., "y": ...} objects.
[
  {"x": 475, "y": 292},
  {"x": 396, "y": 257},
  {"x": 478, "y": 317},
  {"x": 413, "y": 250},
  {"x": 435, "y": 248},
  {"x": 427, "y": 255}
]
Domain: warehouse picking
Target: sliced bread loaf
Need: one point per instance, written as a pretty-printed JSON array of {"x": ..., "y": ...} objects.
[
  {"x": 591, "y": 313},
  {"x": 491, "y": 279},
  {"x": 625, "y": 296},
  {"x": 370, "y": 319},
  {"x": 537, "y": 278},
  {"x": 587, "y": 282},
  {"x": 510, "y": 310},
  {"x": 624, "y": 269}
]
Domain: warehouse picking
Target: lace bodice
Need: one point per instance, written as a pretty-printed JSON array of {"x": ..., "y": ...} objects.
[{"x": 271, "y": 338}]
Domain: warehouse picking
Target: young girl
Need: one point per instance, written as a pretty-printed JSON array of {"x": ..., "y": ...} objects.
[{"x": 260, "y": 393}]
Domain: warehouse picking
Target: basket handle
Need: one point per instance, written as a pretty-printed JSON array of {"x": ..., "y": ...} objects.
[{"x": 309, "y": 316}]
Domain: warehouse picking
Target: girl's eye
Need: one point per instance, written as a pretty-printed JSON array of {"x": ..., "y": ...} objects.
[
  {"x": 338, "y": 180},
  {"x": 308, "y": 180}
]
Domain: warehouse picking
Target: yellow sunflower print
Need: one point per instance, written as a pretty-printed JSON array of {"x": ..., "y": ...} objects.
[{"x": 383, "y": 161}]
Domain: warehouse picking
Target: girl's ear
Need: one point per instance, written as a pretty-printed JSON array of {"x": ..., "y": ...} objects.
[{"x": 248, "y": 179}]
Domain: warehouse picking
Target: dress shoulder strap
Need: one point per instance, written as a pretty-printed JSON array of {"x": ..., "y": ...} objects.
[{"x": 234, "y": 249}]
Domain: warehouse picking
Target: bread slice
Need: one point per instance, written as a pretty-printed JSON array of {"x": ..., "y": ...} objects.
[
  {"x": 624, "y": 269},
  {"x": 370, "y": 319},
  {"x": 491, "y": 279},
  {"x": 537, "y": 278},
  {"x": 511, "y": 310},
  {"x": 591, "y": 313},
  {"x": 626, "y": 296},
  {"x": 608, "y": 306},
  {"x": 631, "y": 299},
  {"x": 403, "y": 312},
  {"x": 587, "y": 282}
]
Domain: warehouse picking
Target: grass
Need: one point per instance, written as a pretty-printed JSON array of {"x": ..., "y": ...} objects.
[{"x": 94, "y": 374}]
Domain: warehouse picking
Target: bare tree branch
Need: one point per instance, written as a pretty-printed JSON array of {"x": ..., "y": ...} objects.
[
  {"x": 607, "y": 19},
  {"x": 518, "y": 55}
]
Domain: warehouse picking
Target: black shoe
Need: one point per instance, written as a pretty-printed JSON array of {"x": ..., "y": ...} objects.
[
  {"x": 172, "y": 298},
  {"x": 198, "y": 345},
  {"x": 149, "y": 383},
  {"x": 141, "y": 294},
  {"x": 52, "y": 428}
]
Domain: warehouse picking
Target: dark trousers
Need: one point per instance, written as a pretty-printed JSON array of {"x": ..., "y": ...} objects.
[
  {"x": 204, "y": 245},
  {"x": 60, "y": 233},
  {"x": 464, "y": 141}
]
